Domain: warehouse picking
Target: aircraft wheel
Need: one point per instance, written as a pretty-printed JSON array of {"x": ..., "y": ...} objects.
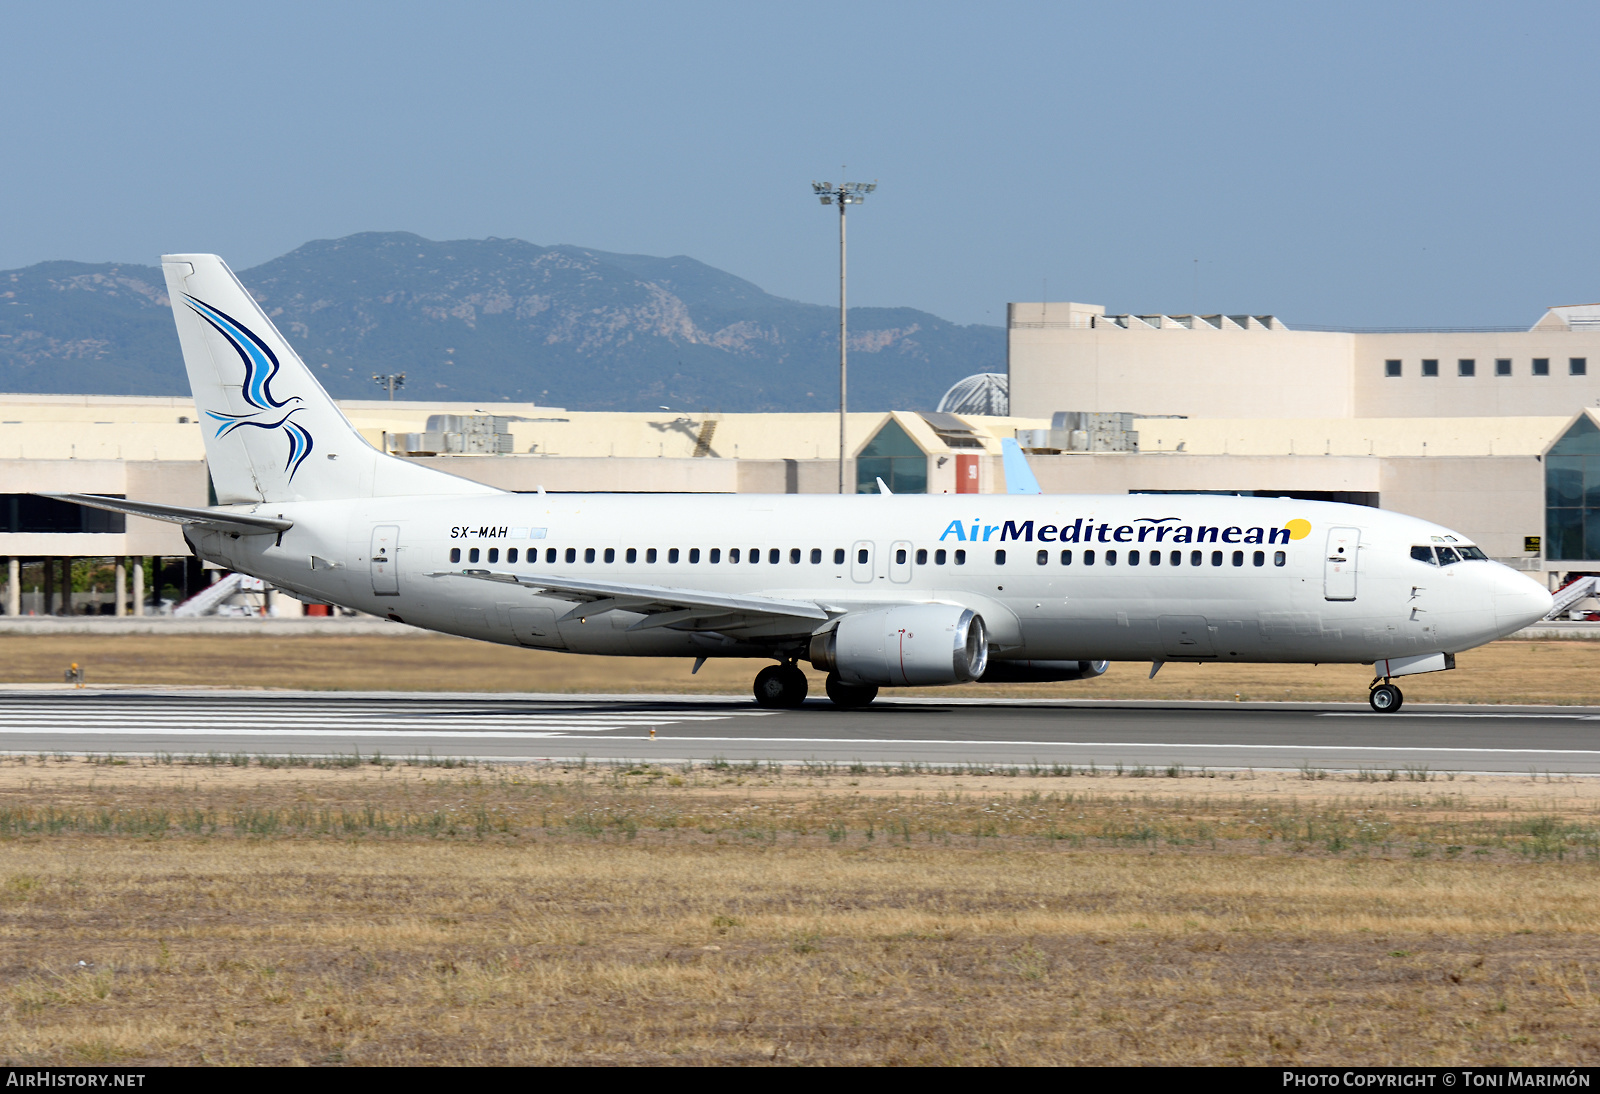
[
  {"x": 1385, "y": 698},
  {"x": 850, "y": 696},
  {"x": 782, "y": 686}
]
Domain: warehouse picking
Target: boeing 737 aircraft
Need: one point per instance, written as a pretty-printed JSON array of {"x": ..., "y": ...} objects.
[{"x": 875, "y": 590}]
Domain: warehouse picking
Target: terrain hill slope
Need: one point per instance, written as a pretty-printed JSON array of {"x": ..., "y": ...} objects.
[{"x": 496, "y": 319}]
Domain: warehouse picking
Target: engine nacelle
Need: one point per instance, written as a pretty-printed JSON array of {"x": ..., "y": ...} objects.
[
  {"x": 1041, "y": 672},
  {"x": 906, "y": 646}
]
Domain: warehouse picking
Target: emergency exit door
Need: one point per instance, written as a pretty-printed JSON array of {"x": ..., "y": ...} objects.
[
  {"x": 384, "y": 560},
  {"x": 1339, "y": 568},
  {"x": 861, "y": 561}
]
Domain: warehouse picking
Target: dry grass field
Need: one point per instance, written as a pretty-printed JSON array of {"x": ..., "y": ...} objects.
[
  {"x": 1563, "y": 672},
  {"x": 231, "y": 912}
]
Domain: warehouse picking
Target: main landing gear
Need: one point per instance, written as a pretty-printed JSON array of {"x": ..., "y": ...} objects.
[
  {"x": 1385, "y": 697},
  {"x": 782, "y": 686},
  {"x": 850, "y": 696}
]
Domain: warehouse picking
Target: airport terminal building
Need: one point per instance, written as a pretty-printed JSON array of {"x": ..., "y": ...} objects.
[{"x": 1493, "y": 432}]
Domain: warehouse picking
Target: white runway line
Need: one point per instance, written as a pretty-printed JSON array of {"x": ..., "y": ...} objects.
[
  {"x": 336, "y": 718},
  {"x": 1575, "y": 717}
]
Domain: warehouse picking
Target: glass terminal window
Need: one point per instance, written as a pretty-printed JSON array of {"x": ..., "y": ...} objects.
[
  {"x": 1541, "y": 366},
  {"x": 1466, "y": 366},
  {"x": 1391, "y": 368},
  {"x": 1502, "y": 366},
  {"x": 1430, "y": 367}
]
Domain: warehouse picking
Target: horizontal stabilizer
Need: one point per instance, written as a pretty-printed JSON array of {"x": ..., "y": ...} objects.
[
  {"x": 215, "y": 520},
  {"x": 663, "y": 606}
]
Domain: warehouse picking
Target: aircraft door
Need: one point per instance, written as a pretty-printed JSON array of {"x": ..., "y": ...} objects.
[
  {"x": 861, "y": 561},
  {"x": 536, "y": 627},
  {"x": 384, "y": 560},
  {"x": 1185, "y": 636},
  {"x": 900, "y": 561},
  {"x": 1339, "y": 569}
]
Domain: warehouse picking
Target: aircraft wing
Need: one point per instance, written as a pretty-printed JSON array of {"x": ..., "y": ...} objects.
[
  {"x": 215, "y": 520},
  {"x": 689, "y": 609}
]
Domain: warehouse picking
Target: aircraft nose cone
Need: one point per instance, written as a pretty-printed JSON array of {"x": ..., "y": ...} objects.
[{"x": 1518, "y": 600}]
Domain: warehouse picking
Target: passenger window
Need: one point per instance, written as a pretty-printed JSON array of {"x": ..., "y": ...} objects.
[
  {"x": 572, "y": 554},
  {"x": 494, "y": 554},
  {"x": 861, "y": 556},
  {"x": 733, "y": 554},
  {"x": 650, "y": 555},
  {"x": 816, "y": 556},
  {"x": 716, "y": 555},
  {"x": 794, "y": 556},
  {"x": 1447, "y": 555},
  {"x": 1279, "y": 558},
  {"x": 472, "y": 555},
  {"x": 922, "y": 556},
  {"x": 511, "y": 555},
  {"x": 939, "y": 557},
  {"x": 632, "y": 556},
  {"x": 1043, "y": 558},
  {"x": 1176, "y": 558},
  {"x": 611, "y": 554},
  {"x": 1259, "y": 558},
  {"x": 1423, "y": 554},
  {"x": 1088, "y": 558},
  {"x": 1111, "y": 558},
  {"x": 900, "y": 557},
  {"x": 755, "y": 555},
  {"x": 672, "y": 555},
  {"x": 1133, "y": 558},
  {"x": 1066, "y": 558},
  {"x": 1238, "y": 558},
  {"x": 549, "y": 554},
  {"x": 588, "y": 554},
  {"x": 1216, "y": 558},
  {"x": 694, "y": 555},
  {"x": 1195, "y": 557},
  {"x": 1000, "y": 557},
  {"x": 455, "y": 554},
  {"x": 773, "y": 556},
  {"x": 1155, "y": 558},
  {"x": 961, "y": 557}
]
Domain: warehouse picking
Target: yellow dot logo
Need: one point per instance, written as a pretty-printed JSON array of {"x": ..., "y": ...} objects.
[{"x": 1298, "y": 529}]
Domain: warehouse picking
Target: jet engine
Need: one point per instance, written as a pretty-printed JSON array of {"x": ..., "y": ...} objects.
[
  {"x": 1041, "y": 672},
  {"x": 910, "y": 645}
]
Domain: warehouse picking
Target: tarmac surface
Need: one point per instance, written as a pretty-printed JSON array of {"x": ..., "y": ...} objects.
[{"x": 1287, "y": 736}]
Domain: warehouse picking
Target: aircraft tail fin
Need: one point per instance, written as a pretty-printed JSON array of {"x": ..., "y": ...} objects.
[
  {"x": 1019, "y": 476},
  {"x": 271, "y": 431}
]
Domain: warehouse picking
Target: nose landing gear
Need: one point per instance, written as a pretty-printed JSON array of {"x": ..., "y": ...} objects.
[
  {"x": 781, "y": 686},
  {"x": 1385, "y": 697}
]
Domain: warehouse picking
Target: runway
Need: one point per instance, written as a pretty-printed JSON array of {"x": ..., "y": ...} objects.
[{"x": 899, "y": 730}]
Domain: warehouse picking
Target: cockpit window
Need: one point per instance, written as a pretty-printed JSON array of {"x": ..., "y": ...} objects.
[
  {"x": 1447, "y": 555},
  {"x": 1423, "y": 554},
  {"x": 1474, "y": 554}
]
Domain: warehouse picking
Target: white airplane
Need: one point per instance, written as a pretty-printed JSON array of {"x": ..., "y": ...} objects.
[{"x": 875, "y": 590}]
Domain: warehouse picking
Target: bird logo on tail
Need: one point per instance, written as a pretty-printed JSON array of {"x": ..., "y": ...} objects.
[{"x": 260, "y": 367}]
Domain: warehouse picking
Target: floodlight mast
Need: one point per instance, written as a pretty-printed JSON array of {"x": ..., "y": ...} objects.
[
  {"x": 846, "y": 193},
  {"x": 390, "y": 381}
]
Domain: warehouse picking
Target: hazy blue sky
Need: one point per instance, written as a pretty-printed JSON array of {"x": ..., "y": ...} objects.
[{"x": 1362, "y": 163}]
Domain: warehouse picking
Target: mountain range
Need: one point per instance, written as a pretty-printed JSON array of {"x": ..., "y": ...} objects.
[{"x": 496, "y": 319}]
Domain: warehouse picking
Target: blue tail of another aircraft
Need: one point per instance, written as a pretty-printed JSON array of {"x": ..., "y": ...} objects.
[{"x": 1019, "y": 476}]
